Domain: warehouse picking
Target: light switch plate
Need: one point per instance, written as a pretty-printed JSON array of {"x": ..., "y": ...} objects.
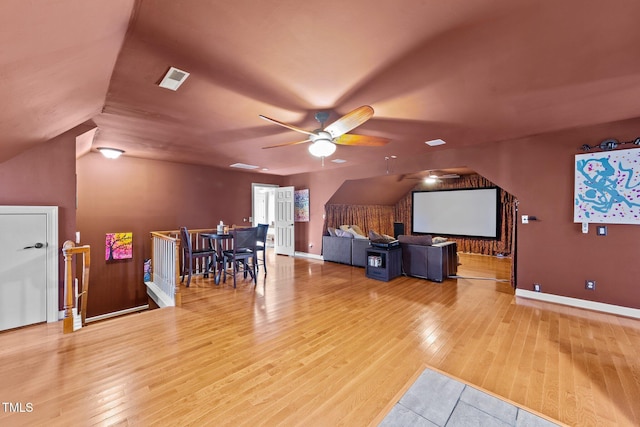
[
  {"x": 525, "y": 219},
  {"x": 585, "y": 227},
  {"x": 601, "y": 230}
]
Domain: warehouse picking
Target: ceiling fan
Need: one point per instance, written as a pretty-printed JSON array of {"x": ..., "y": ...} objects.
[{"x": 324, "y": 139}]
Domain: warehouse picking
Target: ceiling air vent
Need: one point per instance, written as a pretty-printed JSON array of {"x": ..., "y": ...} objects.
[
  {"x": 243, "y": 166},
  {"x": 174, "y": 78}
]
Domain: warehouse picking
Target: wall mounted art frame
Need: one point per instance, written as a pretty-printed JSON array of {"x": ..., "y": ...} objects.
[
  {"x": 301, "y": 205},
  {"x": 118, "y": 246},
  {"x": 607, "y": 187}
]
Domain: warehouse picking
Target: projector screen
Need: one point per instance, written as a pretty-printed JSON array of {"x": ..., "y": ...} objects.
[{"x": 471, "y": 212}]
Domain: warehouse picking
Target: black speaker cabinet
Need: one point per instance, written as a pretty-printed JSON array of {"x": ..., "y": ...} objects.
[{"x": 398, "y": 229}]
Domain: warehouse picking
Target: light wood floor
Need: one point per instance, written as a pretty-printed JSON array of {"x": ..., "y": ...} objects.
[{"x": 319, "y": 344}]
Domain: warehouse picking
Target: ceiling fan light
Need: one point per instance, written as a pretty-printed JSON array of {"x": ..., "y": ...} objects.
[
  {"x": 322, "y": 148},
  {"x": 110, "y": 153}
]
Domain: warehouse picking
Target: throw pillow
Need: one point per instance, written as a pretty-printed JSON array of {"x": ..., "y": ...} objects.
[
  {"x": 374, "y": 237},
  {"x": 380, "y": 238},
  {"x": 357, "y": 230},
  {"x": 331, "y": 231},
  {"x": 354, "y": 234},
  {"x": 439, "y": 239},
  {"x": 342, "y": 233}
]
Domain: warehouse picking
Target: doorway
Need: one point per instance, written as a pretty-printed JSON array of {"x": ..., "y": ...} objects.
[
  {"x": 28, "y": 265},
  {"x": 263, "y": 208}
]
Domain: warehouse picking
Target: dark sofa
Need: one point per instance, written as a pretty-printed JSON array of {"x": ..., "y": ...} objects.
[
  {"x": 345, "y": 250},
  {"x": 425, "y": 259}
]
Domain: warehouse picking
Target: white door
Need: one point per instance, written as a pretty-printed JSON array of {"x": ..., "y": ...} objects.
[
  {"x": 27, "y": 294},
  {"x": 285, "y": 237}
]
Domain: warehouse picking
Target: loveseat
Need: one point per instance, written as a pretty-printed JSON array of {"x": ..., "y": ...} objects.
[
  {"x": 345, "y": 250},
  {"x": 347, "y": 245},
  {"x": 428, "y": 259}
]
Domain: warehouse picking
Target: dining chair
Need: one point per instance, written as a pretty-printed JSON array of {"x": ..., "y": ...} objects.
[
  {"x": 243, "y": 254},
  {"x": 189, "y": 254},
  {"x": 262, "y": 246}
]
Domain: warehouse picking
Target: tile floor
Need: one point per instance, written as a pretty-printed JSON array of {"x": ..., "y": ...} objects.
[{"x": 438, "y": 400}]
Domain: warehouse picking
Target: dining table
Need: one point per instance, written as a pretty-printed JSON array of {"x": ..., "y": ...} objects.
[{"x": 219, "y": 242}]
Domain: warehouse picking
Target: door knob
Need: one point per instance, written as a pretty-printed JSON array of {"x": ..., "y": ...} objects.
[{"x": 37, "y": 246}]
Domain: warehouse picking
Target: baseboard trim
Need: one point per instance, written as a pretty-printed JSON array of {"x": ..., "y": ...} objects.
[
  {"x": 308, "y": 255},
  {"x": 580, "y": 303},
  {"x": 118, "y": 313},
  {"x": 159, "y": 297}
]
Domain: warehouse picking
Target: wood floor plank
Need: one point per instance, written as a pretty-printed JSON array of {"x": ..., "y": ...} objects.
[{"x": 318, "y": 343}]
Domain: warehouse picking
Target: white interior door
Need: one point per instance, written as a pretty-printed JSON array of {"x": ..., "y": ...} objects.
[
  {"x": 285, "y": 237},
  {"x": 27, "y": 294}
]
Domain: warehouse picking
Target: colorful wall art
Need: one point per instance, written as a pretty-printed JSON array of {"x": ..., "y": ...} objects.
[
  {"x": 118, "y": 246},
  {"x": 147, "y": 270},
  {"x": 301, "y": 205},
  {"x": 607, "y": 187}
]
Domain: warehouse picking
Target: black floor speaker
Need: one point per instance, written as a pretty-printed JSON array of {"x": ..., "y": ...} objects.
[{"x": 398, "y": 229}]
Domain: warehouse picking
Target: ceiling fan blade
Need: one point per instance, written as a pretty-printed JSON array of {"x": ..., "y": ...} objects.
[
  {"x": 361, "y": 140},
  {"x": 288, "y": 126},
  {"x": 350, "y": 121},
  {"x": 287, "y": 143}
]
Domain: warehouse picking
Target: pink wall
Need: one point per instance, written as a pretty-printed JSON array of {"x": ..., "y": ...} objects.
[
  {"x": 539, "y": 172},
  {"x": 46, "y": 176},
  {"x": 140, "y": 196}
]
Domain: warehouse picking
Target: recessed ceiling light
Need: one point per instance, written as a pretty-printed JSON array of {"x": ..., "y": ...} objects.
[
  {"x": 110, "y": 153},
  {"x": 243, "y": 166},
  {"x": 435, "y": 142},
  {"x": 265, "y": 169},
  {"x": 174, "y": 78},
  {"x": 338, "y": 161}
]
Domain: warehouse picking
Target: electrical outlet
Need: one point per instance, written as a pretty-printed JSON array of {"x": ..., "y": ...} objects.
[
  {"x": 590, "y": 285},
  {"x": 536, "y": 287},
  {"x": 525, "y": 219}
]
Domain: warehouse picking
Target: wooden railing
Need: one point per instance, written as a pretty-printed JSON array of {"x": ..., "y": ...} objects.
[
  {"x": 166, "y": 259},
  {"x": 72, "y": 297},
  {"x": 164, "y": 287}
]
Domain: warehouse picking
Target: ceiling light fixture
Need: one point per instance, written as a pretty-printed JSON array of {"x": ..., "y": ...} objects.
[
  {"x": 387, "y": 158},
  {"x": 435, "y": 142},
  {"x": 243, "y": 166},
  {"x": 110, "y": 153},
  {"x": 322, "y": 148},
  {"x": 430, "y": 180},
  {"x": 609, "y": 144}
]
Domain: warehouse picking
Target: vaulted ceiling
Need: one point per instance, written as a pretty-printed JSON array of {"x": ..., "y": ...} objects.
[{"x": 465, "y": 71}]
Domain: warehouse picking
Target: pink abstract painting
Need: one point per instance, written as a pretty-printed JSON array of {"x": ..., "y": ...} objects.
[{"x": 118, "y": 246}]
